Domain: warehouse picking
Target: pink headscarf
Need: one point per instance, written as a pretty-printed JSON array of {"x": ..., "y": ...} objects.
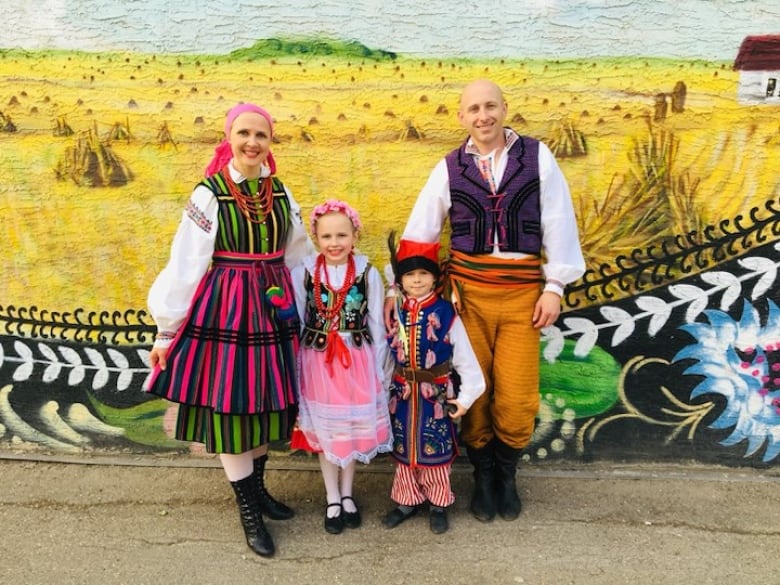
[{"x": 223, "y": 152}]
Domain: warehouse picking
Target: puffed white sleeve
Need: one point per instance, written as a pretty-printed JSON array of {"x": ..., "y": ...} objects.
[
  {"x": 430, "y": 210},
  {"x": 564, "y": 262},
  {"x": 171, "y": 293},
  {"x": 464, "y": 361},
  {"x": 428, "y": 214},
  {"x": 376, "y": 325},
  {"x": 299, "y": 243}
]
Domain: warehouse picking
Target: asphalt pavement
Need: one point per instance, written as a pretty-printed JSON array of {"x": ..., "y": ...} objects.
[{"x": 173, "y": 521}]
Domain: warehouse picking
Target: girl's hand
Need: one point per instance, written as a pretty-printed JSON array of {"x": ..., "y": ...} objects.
[
  {"x": 157, "y": 357},
  {"x": 459, "y": 411}
]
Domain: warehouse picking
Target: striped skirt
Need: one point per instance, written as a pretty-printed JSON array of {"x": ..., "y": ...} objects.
[{"x": 232, "y": 365}]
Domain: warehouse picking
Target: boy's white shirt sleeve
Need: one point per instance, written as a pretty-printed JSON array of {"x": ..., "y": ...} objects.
[
  {"x": 171, "y": 293},
  {"x": 465, "y": 363}
]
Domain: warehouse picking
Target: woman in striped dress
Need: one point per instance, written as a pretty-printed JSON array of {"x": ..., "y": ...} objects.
[{"x": 226, "y": 318}]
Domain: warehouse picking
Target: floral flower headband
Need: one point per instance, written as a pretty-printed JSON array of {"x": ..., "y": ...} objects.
[{"x": 334, "y": 206}]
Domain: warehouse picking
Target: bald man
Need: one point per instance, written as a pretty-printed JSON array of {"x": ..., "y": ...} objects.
[{"x": 514, "y": 247}]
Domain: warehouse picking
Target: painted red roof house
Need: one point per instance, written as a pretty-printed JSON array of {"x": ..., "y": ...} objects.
[{"x": 758, "y": 63}]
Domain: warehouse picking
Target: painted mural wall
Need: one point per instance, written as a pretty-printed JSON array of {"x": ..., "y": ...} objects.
[{"x": 663, "y": 116}]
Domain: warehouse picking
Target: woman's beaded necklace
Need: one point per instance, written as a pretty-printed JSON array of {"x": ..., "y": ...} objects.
[
  {"x": 254, "y": 207},
  {"x": 330, "y": 313}
]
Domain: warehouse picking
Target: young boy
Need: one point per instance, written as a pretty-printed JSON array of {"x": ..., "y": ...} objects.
[{"x": 430, "y": 347}]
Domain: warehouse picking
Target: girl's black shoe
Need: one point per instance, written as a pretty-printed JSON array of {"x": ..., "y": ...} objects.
[
  {"x": 336, "y": 524},
  {"x": 351, "y": 519}
]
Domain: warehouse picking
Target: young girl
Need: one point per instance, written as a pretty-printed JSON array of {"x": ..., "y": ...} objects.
[
  {"x": 343, "y": 414},
  {"x": 428, "y": 343}
]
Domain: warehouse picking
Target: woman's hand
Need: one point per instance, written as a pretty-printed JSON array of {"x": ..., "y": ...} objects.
[{"x": 157, "y": 357}]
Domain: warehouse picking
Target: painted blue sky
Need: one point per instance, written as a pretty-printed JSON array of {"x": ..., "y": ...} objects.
[{"x": 704, "y": 29}]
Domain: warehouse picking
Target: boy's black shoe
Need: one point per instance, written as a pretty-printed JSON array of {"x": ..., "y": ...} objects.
[
  {"x": 438, "y": 520},
  {"x": 395, "y": 516}
]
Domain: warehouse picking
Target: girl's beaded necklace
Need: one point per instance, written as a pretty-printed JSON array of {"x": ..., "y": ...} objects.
[
  {"x": 254, "y": 207},
  {"x": 331, "y": 313}
]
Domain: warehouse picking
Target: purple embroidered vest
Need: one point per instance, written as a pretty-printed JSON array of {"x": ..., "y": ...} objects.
[{"x": 513, "y": 215}]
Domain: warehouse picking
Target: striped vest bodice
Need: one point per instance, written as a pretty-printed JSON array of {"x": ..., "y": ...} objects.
[{"x": 236, "y": 233}]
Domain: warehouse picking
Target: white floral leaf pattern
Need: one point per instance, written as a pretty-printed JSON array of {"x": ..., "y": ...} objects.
[
  {"x": 766, "y": 268},
  {"x": 25, "y": 369},
  {"x": 730, "y": 283},
  {"x": 589, "y": 334},
  {"x": 554, "y": 343},
  {"x": 659, "y": 310},
  {"x": 623, "y": 320}
]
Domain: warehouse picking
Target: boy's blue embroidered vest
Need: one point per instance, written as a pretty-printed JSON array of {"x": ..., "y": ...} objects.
[
  {"x": 421, "y": 437},
  {"x": 354, "y": 314},
  {"x": 476, "y": 216}
]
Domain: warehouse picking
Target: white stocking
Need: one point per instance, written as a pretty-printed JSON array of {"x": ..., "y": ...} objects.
[
  {"x": 347, "y": 478},
  {"x": 237, "y": 466},
  {"x": 330, "y": 477}
]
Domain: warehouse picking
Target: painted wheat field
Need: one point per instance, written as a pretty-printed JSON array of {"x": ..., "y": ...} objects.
[{"x": 367, "y": 130}]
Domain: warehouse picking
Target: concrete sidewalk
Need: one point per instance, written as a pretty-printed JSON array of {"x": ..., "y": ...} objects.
[{"x": 158, "y": 521}]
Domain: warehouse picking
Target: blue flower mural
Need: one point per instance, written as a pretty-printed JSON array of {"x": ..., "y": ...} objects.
[{"x": 740, "y": 360}]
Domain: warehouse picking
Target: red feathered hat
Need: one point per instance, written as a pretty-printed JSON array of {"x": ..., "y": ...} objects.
[{"x": 412, "y": 255}]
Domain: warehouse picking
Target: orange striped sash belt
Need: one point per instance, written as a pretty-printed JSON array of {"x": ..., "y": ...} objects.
[
  {"x": 491, "y": 271},
  {"x": 486, "y": 270}
]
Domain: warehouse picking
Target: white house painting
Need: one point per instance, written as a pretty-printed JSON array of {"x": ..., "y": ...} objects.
[{"x": 758, "y": 63}]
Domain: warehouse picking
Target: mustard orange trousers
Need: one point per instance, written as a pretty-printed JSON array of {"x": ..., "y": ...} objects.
[{"x": 498, "y": 323}]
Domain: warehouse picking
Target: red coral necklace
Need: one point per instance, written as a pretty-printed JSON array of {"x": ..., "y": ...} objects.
[
  {"x": 254, "y": 207},
  {"x": 329, "y": 313}
]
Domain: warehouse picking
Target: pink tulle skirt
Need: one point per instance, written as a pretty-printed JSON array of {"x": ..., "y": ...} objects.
[{"x": 343, "y": 410}]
